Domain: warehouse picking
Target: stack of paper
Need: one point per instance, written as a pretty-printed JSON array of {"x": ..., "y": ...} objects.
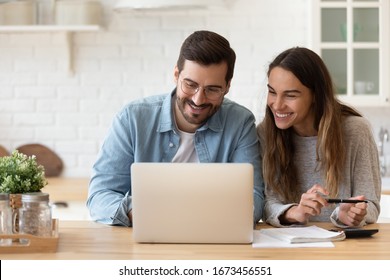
[{"x": 311, "y": 236}]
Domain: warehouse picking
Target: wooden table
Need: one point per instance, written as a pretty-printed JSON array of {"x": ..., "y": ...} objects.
[{"x": 93, "y": 241}]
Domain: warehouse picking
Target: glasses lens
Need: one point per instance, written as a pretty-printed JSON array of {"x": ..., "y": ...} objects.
[
  {"x": 191, "y": 88},
  {"x": 213, "y": 93}
]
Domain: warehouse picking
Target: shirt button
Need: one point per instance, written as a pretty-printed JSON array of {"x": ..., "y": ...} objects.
[{"x": 171, "y": 145}]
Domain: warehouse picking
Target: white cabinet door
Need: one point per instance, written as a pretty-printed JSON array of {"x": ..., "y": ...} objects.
[{"x": 352, "y": 37}]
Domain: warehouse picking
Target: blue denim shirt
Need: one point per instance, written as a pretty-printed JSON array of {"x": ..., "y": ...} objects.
[{"x": 145, "y": 131}]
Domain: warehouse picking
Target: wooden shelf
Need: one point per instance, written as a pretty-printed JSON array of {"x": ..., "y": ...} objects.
[{"x": 66, "y": 30}]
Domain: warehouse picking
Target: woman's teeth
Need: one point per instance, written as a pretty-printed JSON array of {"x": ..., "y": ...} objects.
[{"x": 281, "y": 115}]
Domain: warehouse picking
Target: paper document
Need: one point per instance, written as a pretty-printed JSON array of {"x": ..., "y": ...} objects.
[
  {"x": 304, "y": 234},
  {"x": 261, "y": 240},
  {"x": 311, "y": 236}
]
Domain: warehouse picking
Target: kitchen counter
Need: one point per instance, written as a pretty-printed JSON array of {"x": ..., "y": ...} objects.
[
  {"x": 385, "y": 185},
  {"x": 68, "y": 197},
  {"x": 67, "y": 189}
]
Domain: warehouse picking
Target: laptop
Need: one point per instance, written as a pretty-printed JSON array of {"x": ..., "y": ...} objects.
[{"x": 192, "y": 202}]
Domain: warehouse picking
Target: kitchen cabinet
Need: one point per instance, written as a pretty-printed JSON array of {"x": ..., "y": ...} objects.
[
  {"x": 66, "y": 30},
  {"x": 352, "y": 37}
]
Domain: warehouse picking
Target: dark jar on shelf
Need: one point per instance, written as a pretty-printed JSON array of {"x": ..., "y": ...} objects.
[{"x": 35, "y": 215}]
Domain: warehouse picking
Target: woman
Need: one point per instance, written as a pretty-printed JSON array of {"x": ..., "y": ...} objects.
[{"x": 314, "y": 147}]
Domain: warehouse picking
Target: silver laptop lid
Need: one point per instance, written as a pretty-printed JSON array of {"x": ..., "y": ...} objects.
[{"x": 192, "y": 202}]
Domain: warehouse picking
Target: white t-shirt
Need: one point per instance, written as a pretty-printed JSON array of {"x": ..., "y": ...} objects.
[{"x": 186, "y": 151}]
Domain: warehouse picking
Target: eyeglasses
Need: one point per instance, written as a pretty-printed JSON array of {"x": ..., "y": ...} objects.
[{"x": 192, "y": 88}]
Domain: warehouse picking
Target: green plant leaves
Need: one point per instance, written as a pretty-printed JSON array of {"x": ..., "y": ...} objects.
[{"x": 20, "y": 173}]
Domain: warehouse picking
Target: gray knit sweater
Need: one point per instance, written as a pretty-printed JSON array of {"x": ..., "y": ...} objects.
[{"x": 361, "y": 173}]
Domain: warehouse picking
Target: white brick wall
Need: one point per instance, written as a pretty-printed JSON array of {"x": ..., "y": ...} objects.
[{"x": 132, "y": 57}]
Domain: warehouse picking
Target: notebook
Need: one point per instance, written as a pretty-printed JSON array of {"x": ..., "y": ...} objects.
[
  {"x": 307, "y": 234},
  {"x": 192, "y": 202}
]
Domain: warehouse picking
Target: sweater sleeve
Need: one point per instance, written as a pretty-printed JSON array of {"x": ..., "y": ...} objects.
[{"x": 363, "y": 167}]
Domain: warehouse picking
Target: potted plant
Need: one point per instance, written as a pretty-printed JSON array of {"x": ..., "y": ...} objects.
[{"x": 20, "y": 174}]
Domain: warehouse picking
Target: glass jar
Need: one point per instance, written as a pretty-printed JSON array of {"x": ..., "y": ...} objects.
[
  {"x": 35, "y": 215},
  {"x": 5, "y": 219}
]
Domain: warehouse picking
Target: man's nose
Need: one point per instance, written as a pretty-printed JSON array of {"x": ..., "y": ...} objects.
[{"x": 199, "y": 97}]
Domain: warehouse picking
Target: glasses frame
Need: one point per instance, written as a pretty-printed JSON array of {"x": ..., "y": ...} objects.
[{"x": 185, "y": 87}]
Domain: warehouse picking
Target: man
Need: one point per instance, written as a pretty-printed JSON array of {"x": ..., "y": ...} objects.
[{"x": 195, "y": 123}]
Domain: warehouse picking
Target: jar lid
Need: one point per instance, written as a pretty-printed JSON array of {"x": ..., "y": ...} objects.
[
  {"x": 4, "y": 196},
  {"x": 35, "y": 197}
]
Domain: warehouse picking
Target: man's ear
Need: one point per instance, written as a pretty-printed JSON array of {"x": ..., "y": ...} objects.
[{"x": 176, "y": 74}]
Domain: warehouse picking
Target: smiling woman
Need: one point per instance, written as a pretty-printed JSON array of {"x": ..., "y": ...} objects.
[
  {"x": 310, "y": 142},
  {"x": 290, "y": 101}
]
